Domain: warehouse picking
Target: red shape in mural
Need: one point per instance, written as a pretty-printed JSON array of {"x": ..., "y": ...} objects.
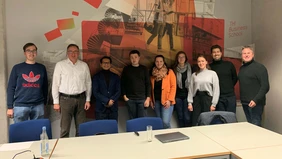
[
  {"x": 53, "y": 34},
  {"x": 75, "y": 13},
  {"x": 64, "y": 24},
  {"x": 94, "y": 3}
]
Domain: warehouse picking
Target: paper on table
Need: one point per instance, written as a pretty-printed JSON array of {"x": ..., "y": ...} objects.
[{"x": 15, "y": 146}]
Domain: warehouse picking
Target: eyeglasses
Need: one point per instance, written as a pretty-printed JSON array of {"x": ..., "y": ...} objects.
[
  {"x": 73, "y": 52},
  {"x": 106, "y": 63},
  {"x": 31, "y": 51}
]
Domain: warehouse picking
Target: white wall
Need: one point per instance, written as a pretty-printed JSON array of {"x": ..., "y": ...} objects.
[
  {"x": 238, "y": 11},
  {"x": 3, "y": 78},
  {"x": 267, "y": 35}
]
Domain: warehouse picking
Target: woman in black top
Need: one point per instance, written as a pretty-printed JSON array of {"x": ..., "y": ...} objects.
[{"x": 182, "y": 71}]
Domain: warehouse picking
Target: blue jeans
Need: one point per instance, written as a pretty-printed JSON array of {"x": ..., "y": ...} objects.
[
  {"x": 26, "y": 113},
  {"x": 253, "y": 115},
  {"x": 136, "y": 108},
  {"x": 163, "y": 113},
  {"x": 183, "y": 113}
]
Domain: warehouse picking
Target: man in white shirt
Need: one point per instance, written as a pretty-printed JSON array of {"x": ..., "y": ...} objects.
[{"x": 71, "y": 90}]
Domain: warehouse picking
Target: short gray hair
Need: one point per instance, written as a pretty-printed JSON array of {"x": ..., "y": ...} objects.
[{"x": 248, "y": 47}]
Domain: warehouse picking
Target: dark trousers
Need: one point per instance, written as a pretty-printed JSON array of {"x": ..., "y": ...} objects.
[
  {"x": 201, "y": 103},
  {"x": 168, "y": 30},
  {"x": 227, "y": 104},
  {"x": 136, "y": 108},
  {"x": 107, "y": 114},
  {"x": 158, "y": 30},
  {"x": 72, "y": 107},
  {"x": 182, "y": 111},
  {"x": 253, "y": 115}
]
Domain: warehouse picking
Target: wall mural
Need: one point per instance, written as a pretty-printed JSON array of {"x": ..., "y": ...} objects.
[{"x": 150, "y": 26}]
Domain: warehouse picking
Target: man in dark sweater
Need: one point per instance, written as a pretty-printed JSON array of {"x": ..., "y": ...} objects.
[
  {"x": 135, "y": 86},
  {"x": 106, "y": 89},
  {"x": 227, "y": 75},
  {"x": 254, "y": 84},
  {"x": 27, "y": 88}
]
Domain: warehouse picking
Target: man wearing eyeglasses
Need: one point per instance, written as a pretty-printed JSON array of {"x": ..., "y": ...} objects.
[
  {"x": 106, "y": 89},
  {"x": 27, "y": 88},
  {"x": 71, "y": 90}
]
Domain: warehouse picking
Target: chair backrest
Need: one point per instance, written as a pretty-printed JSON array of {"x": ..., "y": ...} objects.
[
  {"x": 140, "y": 124},
  {"x": 98, "y": 127},
  {"x": 216, "y": 117},
  {"x": 29, "y": 130}
]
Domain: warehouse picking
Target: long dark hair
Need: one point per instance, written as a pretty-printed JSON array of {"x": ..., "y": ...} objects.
[
  {"x": 174, "y": 66},
  {"x": 154, "y": 64},
  {"x": 207, "y": 66}
]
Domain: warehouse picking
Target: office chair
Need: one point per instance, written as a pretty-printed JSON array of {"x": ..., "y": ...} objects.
[
  {"x": 98, "y": 127},
  {"x": 216, "y": 117},
  {"x": 140, "y": 124},
  {"x": 29, "y": 130}
]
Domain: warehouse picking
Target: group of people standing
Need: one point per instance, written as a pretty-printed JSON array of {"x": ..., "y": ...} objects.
[{"x": 161, "y": 88}]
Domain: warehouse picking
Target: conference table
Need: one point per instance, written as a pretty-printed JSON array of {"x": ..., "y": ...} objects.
[
  {"x": 34, "y": 148},
  {"x": 225, "y": 141},
  {"x": 131, "y": 146},
  {"x": 270, "y": 152},
  {"x": 243, "y": 135}
]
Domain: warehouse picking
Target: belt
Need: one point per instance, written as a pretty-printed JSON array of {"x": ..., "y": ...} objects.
[
  {"x": 72, "y": 95},
  {"x": 201, "y": 93}
]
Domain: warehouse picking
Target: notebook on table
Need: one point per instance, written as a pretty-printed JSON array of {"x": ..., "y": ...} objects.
[{"x": 171, "y": 137}]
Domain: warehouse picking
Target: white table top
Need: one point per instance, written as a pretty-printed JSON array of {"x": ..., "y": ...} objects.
[
  {"x": 243, "y": 139},
  {"x": 260, "y": 153},
  {"x": 35, "y": 148},
  {"x": 128, "y": 145},
  {"x": 240, "y": 136}
]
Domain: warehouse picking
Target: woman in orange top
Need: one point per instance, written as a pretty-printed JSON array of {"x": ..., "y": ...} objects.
[{"x": 163, "y": 82}]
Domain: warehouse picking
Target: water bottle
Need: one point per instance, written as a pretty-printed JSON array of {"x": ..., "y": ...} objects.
[{"x": 44, "y": 143}]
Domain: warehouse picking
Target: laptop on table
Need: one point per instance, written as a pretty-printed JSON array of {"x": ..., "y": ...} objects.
[{"x": 171, "y": 137}]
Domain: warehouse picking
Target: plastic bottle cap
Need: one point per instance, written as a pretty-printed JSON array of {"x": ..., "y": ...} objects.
[{"x": 44, "y": 128}]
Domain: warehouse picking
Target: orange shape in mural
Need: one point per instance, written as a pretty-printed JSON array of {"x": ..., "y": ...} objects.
[
  {"x": 53, "y": 34},
  {"x": 64, "y": 24},
  {"x": 94, "y": 3},
  {"x": 75, "y": 13}
]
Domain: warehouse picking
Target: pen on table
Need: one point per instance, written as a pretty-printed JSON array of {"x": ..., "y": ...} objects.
[
  {"x": 53, "y": 148},
  {"x": 136, "y": 133}
]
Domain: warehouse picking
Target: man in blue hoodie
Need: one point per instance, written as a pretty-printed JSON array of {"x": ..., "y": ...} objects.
[{"x": 27, "y": 88}]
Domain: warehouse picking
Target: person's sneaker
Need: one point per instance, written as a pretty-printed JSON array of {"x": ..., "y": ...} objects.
[{"x": 172, "y": 49}]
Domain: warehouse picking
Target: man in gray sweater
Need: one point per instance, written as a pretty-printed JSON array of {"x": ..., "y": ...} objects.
[{"x": 254, "y": 84}]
